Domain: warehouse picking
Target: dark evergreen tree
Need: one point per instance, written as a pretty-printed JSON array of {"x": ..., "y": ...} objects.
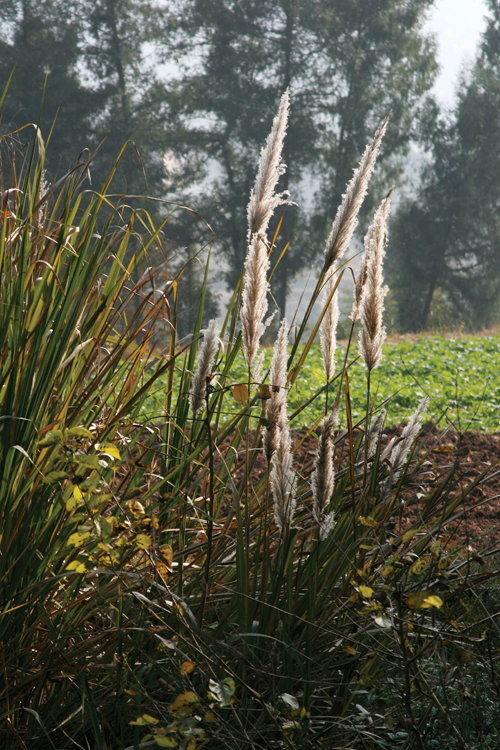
[
  {"x": 40, "y": 44},
  {"x": 347, "y": 62},
  {"x": 445, "y": 249},
  {"x": 118, "y": 52}
]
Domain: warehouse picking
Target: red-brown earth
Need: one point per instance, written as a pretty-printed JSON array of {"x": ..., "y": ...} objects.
[{"x": 471, "y": 459}]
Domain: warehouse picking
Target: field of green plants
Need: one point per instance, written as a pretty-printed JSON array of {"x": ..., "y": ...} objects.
[
  {"x": 169, "y": 577},
  {"x": 460, "y": 376}
]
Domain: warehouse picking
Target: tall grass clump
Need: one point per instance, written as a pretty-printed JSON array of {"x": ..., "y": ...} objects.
[{"x": 191, "y": 580}]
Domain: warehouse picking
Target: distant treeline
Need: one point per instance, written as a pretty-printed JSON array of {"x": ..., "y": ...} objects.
[{"x": 191, "y": 86}]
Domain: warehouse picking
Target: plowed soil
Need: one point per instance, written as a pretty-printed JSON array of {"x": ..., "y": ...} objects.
[{"x": 473, "y": 460}]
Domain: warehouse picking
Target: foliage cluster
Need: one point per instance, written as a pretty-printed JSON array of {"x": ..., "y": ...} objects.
[{"x": 148, "y": 597}]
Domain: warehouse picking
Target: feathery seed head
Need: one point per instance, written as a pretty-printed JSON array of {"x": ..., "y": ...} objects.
[
  {"x": 322, "y": 478},
  {"x": 205, "y": 361},
  {"x": 371, "y": 301},
  {"x": 401, "y": 449},
  {"x": 328, "y": 329},
  {"x": 346, "y": 219},
  {"x": 375, "y": 432},
  {"x": 282, "y": 479},
  {"x": 263, "y": 199},
  {"x": 254, "y": 297},
  {"x": 276, "y": 407}
]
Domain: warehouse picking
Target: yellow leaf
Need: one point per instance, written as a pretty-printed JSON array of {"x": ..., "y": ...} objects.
[
  {"x": 79, "y": 432},
  {"x": 419, "y": 566},
  {"x": 408, "y": 535},
  {"x": 109, "y": 449},
  {"x": 144, "y": 721},
  {"x": 432, "y": 601},
  {"x": 136, "y": 507},
  {"x": 78, "y": 538},
  {"x": 162, "y": 571},
  {"x": 350, "y": 650},
  {"x": 150, "y": 719},
  {"x": 368, "y": 521},
  {"x": 77, "y": 566},
  {"x": 184, "y": 705},
  {"x": 365, "y": 591},
  {"x": 424, "y": 600},
  {"x": 445, "y": 448},
  {"x": 167, "y": 554},
  {"x": 75, "y": 500},
  {"x": 187, "y": 667},
  {"x": 143, "y": 541},
  {"x": 209, "y": 717},
  {"x": 240, "y": 393}
]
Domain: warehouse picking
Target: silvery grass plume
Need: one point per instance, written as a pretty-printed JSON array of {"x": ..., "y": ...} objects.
[
  {"x": 205, "y": 361},
  {"x": 276, "y": 405},
  {"x": 370, "y": 305},
  {"x": 346, "y": 220},
  {"x": 282, "y": 479},
  {"x": 277, "y": 443},
  {"x": 398, "y": 451},
  {"x": 328, "y": 329},
  {"x": 343, "y": 227},
  {"x": 375, "y": 432},
  {"x": 254, "y": 297},
  {"x": 263, "y": 201},
  {"x": 323, "y": 476}
]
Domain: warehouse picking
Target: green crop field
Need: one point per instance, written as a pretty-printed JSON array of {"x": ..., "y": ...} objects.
[{"x": 461, "y": 376}]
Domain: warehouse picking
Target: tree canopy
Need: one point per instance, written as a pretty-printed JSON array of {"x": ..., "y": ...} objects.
[
  {"x": 445, "y": 248},
  {"x": 346, "y": 63}
]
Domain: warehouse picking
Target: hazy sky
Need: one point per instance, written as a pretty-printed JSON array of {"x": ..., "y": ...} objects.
[{"x": 458, "y": 24}]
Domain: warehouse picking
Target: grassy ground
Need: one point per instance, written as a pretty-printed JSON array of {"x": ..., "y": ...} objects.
[{"x": 460, "y": 374}]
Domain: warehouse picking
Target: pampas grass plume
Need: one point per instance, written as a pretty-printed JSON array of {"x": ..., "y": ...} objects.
[
  {"x": 401, "y": 449},
  {"x": 276, "y": 405},
  {"x": 322, "y": 478},
  {"x": 328, "y": 329},
  {"x": 277, "y": 441},
  {"x": 370, "y": 303},
  {"x": 345, "y": 221},
  {"x": 263, "y": 201},
  {"x": 205, "y": 361}
]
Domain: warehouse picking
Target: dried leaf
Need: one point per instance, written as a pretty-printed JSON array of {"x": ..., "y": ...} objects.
[
  {"x": 187, "y": 667},
  {"x": 240, "y": 393}
]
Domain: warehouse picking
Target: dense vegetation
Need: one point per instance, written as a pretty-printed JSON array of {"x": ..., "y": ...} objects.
[
  {"x": 180, "y": 582},
  {"x": 459, "y": 374}
]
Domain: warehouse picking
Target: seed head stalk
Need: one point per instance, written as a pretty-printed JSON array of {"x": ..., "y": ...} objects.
[
  {"x": 369, "y": 301},
  {"x": 343, "y": 227},
  {"x": 263, "y": 201}
]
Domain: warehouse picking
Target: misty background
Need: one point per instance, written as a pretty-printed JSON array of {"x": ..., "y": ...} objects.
[{"x": 188, "y": 90}]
